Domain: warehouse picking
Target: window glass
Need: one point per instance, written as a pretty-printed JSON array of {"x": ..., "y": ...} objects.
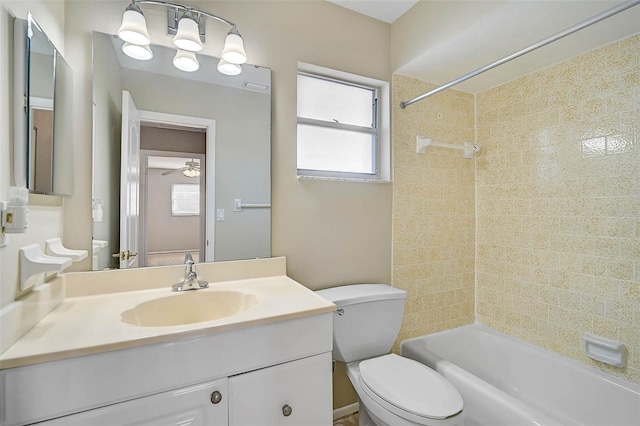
[
  {"x": 337, "y": 131},
  {"x": 333, "y": 101},
  {"x": 321, "y": 148},
  {"x": 185, "y": 199}
]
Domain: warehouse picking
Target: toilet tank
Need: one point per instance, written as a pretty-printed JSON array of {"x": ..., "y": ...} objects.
[{"x": 367, "y": 319}]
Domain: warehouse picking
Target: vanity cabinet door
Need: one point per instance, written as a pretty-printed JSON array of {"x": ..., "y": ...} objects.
[
  {"x": 296, "y": 393},
  {"x": 200, "y": 405}
]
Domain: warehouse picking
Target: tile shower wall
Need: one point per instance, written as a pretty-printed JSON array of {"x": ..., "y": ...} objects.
[
  {"x": 558, "y": 210},
  {"x": 433, "y": 209}
]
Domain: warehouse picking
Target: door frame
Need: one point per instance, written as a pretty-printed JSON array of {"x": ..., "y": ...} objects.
[{"x": 208, "y": 219}]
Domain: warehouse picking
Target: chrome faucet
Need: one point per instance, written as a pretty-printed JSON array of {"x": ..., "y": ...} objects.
[{"x": 191, "y": 281}]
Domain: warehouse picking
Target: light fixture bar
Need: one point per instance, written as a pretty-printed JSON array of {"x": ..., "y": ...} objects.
[{"x": 186, "y": 8}]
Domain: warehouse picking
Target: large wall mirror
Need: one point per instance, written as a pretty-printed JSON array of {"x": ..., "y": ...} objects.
[
  {"x": 181, "y": 160},
  {"x": 43, "y": 146}
]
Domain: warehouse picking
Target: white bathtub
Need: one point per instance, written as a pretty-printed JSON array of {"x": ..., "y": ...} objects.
[{"x": 506, "y": 381}]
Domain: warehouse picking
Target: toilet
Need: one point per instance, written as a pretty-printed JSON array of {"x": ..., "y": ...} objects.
[{"x": 391, "y": 390}]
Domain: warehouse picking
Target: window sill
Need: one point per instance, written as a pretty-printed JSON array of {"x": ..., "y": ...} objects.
[{"x": 337, "y": 179}]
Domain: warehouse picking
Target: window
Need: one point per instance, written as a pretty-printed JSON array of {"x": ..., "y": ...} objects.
[
  {"x": 338, "y": 135},
  {"x": 185, "y": 199}
]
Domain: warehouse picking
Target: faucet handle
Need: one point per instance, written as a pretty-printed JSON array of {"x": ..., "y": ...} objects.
[{"x": 188, "y": 259}]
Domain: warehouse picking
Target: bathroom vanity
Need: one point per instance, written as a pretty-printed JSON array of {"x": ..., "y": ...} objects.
[{"x": 88, "y": 363}]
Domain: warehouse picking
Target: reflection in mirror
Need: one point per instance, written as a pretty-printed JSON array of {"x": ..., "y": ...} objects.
[
  {"x": 44, "y": 158},
  {"x": 40, "y": 72},
  {"x": 156, "y": 129}
]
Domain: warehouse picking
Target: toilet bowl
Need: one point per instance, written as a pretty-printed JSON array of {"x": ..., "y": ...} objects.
[{"x": 391, "y": 390}]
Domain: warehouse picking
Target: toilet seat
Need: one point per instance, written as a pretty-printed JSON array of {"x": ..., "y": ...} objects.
[{"x": 409, "y": 389}]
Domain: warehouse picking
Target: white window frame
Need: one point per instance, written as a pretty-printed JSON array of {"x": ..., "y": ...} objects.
[{"x": 382, "y": 144}]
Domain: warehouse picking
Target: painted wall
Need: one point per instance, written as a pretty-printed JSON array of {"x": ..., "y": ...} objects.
[
  {"x": 41, "y": 81},
  {"x": 433, "y": 209},
  {"x": 331, "y": 232},
  {"x": 558, "y": 210},
  {"x": 423, "y": 28},
  {"x": 162, "y": 139},
  {"x": 164, "y": 231},
  {"x": 324, "y": 228},
  {"x": 107, "y": 110}
]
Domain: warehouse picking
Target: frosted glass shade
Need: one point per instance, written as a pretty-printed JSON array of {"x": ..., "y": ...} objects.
[
  {"x": 187, "y": 36},
  {"x": 233, "y": 51},
  {"x": 186, "y": 61},
  {"x": 134, "y": 28},
  {"x": 135, "y": 51},
  {"x": 229, "y": 69}
]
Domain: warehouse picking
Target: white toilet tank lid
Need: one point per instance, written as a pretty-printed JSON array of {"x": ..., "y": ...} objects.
[
  {"x": 411, "y": 386},
  {"x": 359, "y": 293}
]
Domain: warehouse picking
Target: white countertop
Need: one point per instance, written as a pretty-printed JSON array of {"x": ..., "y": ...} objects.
[{"x": 92, "y": 324}]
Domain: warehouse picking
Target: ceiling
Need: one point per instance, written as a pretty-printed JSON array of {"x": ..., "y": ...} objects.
[
  {"x": 384, "y": 10},
  {"x": 459, "y": 36}
]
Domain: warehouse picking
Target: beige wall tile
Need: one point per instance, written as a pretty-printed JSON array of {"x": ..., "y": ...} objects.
[
  {"x": 557, "y": 187},
  {"x": 433, "y": 209},
  {"x": 554, "y": 194}
]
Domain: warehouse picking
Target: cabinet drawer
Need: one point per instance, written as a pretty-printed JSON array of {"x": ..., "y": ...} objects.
[
  {"x": 296, "y": 393},
  {"x": 190, "y": 406}
]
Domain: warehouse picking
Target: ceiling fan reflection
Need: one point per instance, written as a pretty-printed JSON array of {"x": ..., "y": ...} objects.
[{"x": 191, "y": 169}]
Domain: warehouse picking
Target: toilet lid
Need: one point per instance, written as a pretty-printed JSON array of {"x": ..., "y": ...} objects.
[{"x": 410, "y": 386}]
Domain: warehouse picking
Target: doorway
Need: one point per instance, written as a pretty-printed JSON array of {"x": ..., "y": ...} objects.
[
  {"x": 173, "y": 205},
  {"x": 191, "y": 142}
]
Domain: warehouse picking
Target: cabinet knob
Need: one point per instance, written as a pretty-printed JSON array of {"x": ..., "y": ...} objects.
[
  {"x": 216, "y": 397},
  {"x": 286, "y": 410}
]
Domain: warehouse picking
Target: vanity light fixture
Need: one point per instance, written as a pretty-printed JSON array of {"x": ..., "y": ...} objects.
[
  {"x": 136, "y": 51},
  {"x": 228, "y": 68},
  {"x": 134, "y": 26},
  {"x": 233, "y": 51},
  {"x": 187, "y": 36},
  {"x": 188, "y": 25},
  {"x": 186, "y": 61}
]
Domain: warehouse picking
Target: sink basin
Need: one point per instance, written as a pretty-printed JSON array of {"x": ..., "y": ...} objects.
[{"x": 188, "y": 308}]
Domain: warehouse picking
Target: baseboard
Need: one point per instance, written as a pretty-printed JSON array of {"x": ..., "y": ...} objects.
[{"x": 346, "y": 410}]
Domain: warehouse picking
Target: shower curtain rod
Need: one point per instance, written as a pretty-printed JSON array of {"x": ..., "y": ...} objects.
[{"x": 594, "y": 19}]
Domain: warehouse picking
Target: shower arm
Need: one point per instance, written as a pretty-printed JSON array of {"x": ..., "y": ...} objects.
[{"x": 579, "y": 26}]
